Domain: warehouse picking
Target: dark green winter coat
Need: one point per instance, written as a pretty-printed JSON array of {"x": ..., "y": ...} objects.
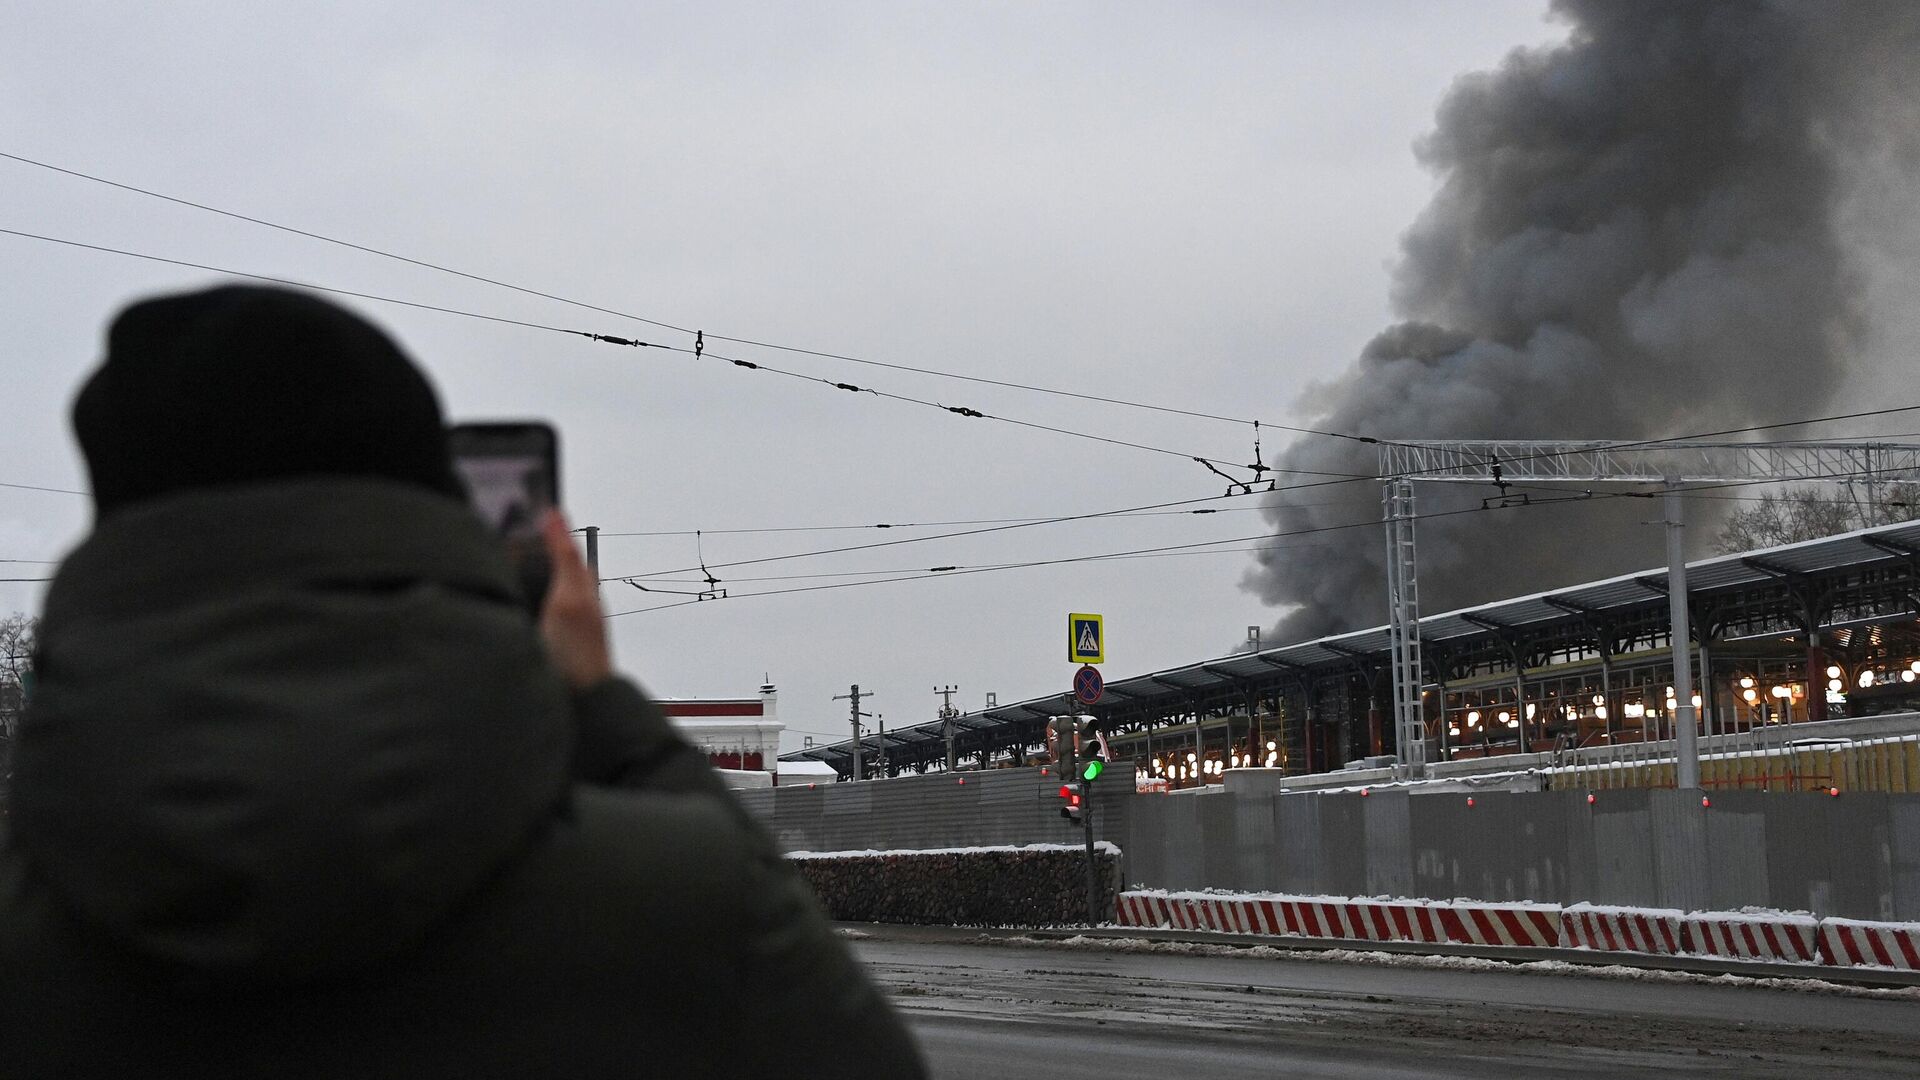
[{"x": 300, "y": 795}]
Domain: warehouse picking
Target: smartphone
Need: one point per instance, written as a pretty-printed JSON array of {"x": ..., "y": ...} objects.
[{"x": 512, "y": 473}]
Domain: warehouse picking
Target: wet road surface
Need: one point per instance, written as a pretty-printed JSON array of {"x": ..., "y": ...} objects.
[{"x": 1004, "y": 1012}]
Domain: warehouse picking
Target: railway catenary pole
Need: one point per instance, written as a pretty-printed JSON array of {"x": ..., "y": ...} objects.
[
  {"x": 1668, "y": 463},
  {"x": 854, "y": 695},
  {"x": 947, "y": 713},
  {"x": 1686, "y": 773}
]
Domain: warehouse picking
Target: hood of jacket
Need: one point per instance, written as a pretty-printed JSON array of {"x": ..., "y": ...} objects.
[{"x": 281, "y": 731}]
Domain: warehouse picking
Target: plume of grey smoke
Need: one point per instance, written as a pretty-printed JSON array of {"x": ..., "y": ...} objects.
[{"x": 1635, "y": 235}]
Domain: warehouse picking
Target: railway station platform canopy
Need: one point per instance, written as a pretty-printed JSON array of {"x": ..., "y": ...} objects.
[{"x": 1806, "y": 631}]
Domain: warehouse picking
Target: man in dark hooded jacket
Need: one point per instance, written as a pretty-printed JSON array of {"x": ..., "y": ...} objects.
[{"x": 303, "y": 792}]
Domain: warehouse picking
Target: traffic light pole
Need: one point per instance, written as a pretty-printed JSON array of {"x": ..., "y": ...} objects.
[{"x": 1093, "y": 870}]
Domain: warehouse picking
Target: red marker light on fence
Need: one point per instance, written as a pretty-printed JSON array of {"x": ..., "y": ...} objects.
[
  {"x": 1364, "y": 793},
  {"x": 963, "y": 779},
  {"x": 1469, "y": 802},
  {"x": 1834, "y": 791},
  {"x": 1590, "y": 798},
  {"x": 1705, "y": 801}
]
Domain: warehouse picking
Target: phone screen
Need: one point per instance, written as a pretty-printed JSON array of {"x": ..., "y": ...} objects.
[{"x": 512, "y": 473}]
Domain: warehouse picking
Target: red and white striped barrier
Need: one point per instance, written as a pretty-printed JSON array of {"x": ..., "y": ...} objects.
[
  {"x": 1535, "y": 925},
  {"x": 1528, "y": 925},
  {"x": 1847, "y": 943},
  {"x": 1736, "y": 936},
  {"x": 1770, "y": 936},
  {"x": 1613, "y": 929}
]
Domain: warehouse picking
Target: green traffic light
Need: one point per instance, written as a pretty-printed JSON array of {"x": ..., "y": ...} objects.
[{"x": 1093, "y": 770}]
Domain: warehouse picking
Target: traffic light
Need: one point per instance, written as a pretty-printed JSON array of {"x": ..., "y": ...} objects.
[
  {"x": 1070, "y": 804},
  {"x": 1062, "y": 738},
  {"x": 1092, "y": 744}
]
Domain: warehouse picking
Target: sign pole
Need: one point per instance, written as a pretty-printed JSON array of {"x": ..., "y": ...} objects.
[{"x": 1093, "y": 870}]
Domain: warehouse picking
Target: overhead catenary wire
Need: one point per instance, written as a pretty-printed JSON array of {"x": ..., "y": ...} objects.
[
  {"x": 959, "y": 410},
  {"x": 37, "y": 487},
  {"x": 584, "y": 305},
  {"x": 441, "y": 268},
  {"x": 698, "y": 352},
  {"x": 961, "y": 571},
  {"x": 1276, "y": 490},
  {"x": 955, "y": 572}
]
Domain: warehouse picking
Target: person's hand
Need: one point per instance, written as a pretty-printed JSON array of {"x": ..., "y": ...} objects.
[{"x": 570, "y": 619}]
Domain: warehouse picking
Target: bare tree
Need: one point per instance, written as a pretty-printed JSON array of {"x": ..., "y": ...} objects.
[
  {"x": 17, "y": 634},
  {"x": 1798, "y": 514}
]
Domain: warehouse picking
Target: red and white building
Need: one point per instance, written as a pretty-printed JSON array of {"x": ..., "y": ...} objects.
[{"x": 740, "y": 734}]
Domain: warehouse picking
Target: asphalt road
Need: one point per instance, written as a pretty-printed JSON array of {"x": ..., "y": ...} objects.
[{"x": 1007, "y": 1012}]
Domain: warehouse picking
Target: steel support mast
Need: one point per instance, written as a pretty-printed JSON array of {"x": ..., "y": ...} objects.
[{"x": 1671, "y": 464}]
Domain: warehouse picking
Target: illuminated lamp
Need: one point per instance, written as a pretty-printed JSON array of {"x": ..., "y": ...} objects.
[
  {"x": 1600, "y": 712},
  {"x": 1751, "y": 695},
  {"x": 1782, "y": 692},
  {"x": 1914, "y": 667},
  {"x": 1908, "y": 675},
  {"x": 1273, "y": 746},
  {"x": 1599, "y": 699},
  {"x": 1866, "y": 679},
  {"x": 1746, "y": 682},
  {"x": 1833, "y": 671},
  {"x": 1473, "y": 718},
  {"x": 1834, "y": 686},
  {"x": 1505, "y": 717},
  {"x": 1529, "y": 710},
  {"x": 1454, "y": 731},
  {"x": 1696, "y": 701}
]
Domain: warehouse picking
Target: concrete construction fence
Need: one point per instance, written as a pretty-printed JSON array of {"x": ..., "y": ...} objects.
[
  {"x": 1775, "y": 937},
  {"x": 1854, "y": 856}
]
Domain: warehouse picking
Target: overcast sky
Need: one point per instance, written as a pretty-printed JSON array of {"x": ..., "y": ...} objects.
[{"x": 1191, "y": 205}]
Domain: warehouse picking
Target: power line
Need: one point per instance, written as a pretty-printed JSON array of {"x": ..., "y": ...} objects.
[
  {"x": 698, "y": 352},
  {"x": 307, "y": 285},
  {"x": 332, "y": 240},
  {"x": 438, "y": 267},
  {"x": 55, "y": 490},
  {"x": 998, "y": 567},
  {"x": 441, "y": 268},
  {"x": 937, "y": 536},
  {"x": 1188, "y": 549},
  {"x": 945, "y": 524},
  {"x": 1275, "y": 490}
]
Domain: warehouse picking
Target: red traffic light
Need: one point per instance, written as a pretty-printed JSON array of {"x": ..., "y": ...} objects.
[{"x": 1066, "y": 791}]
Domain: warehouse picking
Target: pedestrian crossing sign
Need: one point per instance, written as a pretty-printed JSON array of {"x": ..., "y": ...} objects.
[{"x": 1086, "y": 641}]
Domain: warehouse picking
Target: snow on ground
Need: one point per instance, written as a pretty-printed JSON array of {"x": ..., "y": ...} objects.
[
  {"x": 1081, "y": 942},
  {"x": 1102, "y": 845}
]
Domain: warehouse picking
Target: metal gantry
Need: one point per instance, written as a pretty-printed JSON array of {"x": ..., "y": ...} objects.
[
  {"x": 1673, "y": 464},
  {"x": 1403, "y": 604}
]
